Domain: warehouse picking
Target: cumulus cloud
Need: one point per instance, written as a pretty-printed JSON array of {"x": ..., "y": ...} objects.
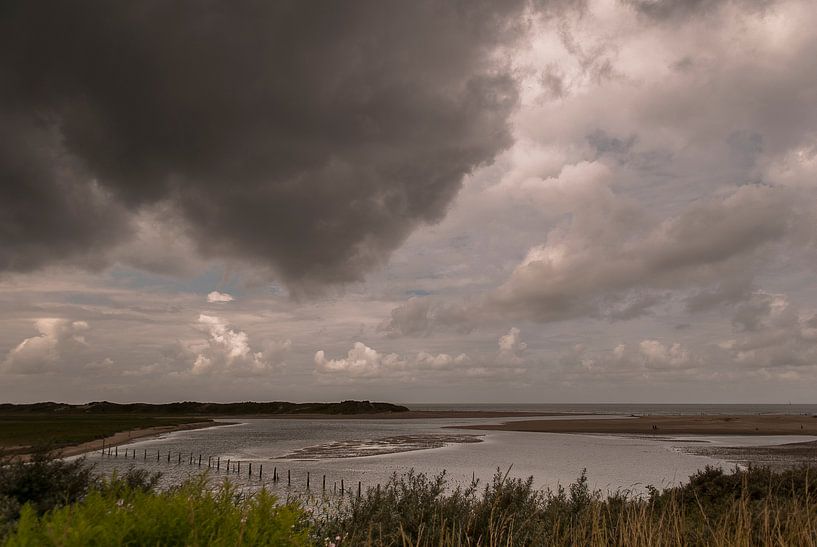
[
  {"x": 511, "y": 348},
  {"x": 361, "y": 361},
  {"x": 57, "y": 347},
  {"x": 216, "y": 296},
  {"x": 647, "y": 360},
  {"x": 597, "y": 260},
  {"x": 346, "y": 127},
  {"x": 227, "y": 350},
  {"x": 774, "y": 337}
]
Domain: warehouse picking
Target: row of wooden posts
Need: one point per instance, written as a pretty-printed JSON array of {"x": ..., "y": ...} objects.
[{"x": 229, "y": 465}]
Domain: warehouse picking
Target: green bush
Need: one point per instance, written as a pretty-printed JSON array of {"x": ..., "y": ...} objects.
[
  {"x": 43, "y": 483},
  {"x": 190, "y": 515}
]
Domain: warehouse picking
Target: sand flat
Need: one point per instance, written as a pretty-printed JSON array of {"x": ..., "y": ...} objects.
[{"x": 667, "y": 425}]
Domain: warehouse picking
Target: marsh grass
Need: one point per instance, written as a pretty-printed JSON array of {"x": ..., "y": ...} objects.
[{"x": 749, "y": 507}]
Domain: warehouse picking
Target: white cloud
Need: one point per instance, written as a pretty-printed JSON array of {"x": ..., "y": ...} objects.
[
  {"x": 227, "y": 349},
  {"x": 216, "y": 296},
  {"x": 59, "y": 343},
  {"x": 511, "y": 348},
  {"x": 361, "y": 361}
]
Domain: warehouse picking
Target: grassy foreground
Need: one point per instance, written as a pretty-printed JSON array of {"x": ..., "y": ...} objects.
[{"x": 49, "y": 502}]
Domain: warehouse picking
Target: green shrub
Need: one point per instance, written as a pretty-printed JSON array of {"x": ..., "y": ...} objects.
[
  {"x": 190, "y": 515},
  {"x": 43, "y": 483}
]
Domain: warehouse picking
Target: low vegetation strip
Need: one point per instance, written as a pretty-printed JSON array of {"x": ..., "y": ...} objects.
[
  {"x": 192, "y": 408},
  {"x": 51, "y": 502},
  {"x": 22, "y": 432}
]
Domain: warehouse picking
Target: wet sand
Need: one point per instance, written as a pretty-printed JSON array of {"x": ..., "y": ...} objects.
[
  {"x": 410, "y": 415},
  {"x": 124, "y": 437},
  {"x": 667, "y": 425},
  {"x": 782, "y": 456}
]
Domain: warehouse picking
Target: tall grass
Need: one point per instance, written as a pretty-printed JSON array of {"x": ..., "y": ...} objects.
[{"x": 752, "y": 507}]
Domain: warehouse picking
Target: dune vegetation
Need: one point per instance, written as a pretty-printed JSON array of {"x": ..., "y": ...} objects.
[{"x": 54, "y": 502}]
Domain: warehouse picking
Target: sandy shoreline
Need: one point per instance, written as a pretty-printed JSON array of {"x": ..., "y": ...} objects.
[
  {"x": 124, "y": 437},
  {"x": 410, "y": 415},
  {"x": 667, "y": 425}
]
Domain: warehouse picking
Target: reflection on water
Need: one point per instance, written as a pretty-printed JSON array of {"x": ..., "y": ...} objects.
[{"x": 369, "y": 451}]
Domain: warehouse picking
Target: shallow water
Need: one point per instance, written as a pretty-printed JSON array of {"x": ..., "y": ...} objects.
[{"x": 342, "y": 450}]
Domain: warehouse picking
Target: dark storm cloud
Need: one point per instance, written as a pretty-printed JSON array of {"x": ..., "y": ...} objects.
[
  {"x": 306, "y": 136},
  {"x": 49, "y": 212}
]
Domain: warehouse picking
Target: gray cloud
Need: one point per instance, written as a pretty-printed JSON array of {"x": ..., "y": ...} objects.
[
  {"x": 595, "y": 259},
  {"x": 420, "y": 316},
  {"x": 303, "y": 137},
  {"x": 609, "y": 261},
  {"x": 50, "y": 211}
]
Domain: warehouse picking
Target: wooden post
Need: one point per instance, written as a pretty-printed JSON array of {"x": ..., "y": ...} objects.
[
  {"x": 180, "y": 457},
  {"x": 218, "y": 463},
  {"x": 249, "y": 473},
  {"x": 335, "y": 488},
  {"x": 342, "y": 489},
  {"x": 158, "y": 453},
  {"x": 238, "y": 470},
  {"x": 228, "y": 465},
  {"x": 191, "y": 459},
  {"x": 146, "y": 454},
  {"x": 323, "y": 487},
  {"x": 168, "y": 456},
  {"x": 358, "y": 489},
  {"x": 260, "y": 470},
  {"x": 289, "y": 477},
  {"x": 307, "y": 480},
  {"x": 103, "y": 447},
  {"x": 199, "y": 460},
  {"x": 116, "y": 452},
  {"x": 274, "y": 474}
]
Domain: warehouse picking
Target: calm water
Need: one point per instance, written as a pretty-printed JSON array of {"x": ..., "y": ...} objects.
[{"x": 339, "y": 450}]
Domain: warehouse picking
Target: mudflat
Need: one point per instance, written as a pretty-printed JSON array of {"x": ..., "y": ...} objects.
[{"x": 667, "y": 425}]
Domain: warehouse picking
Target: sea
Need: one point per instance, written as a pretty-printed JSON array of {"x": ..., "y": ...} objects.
[{"x": 319, "y": 455}]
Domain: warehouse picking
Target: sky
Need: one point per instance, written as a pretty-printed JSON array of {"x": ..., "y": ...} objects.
[{"x": 430, "y": 201}]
